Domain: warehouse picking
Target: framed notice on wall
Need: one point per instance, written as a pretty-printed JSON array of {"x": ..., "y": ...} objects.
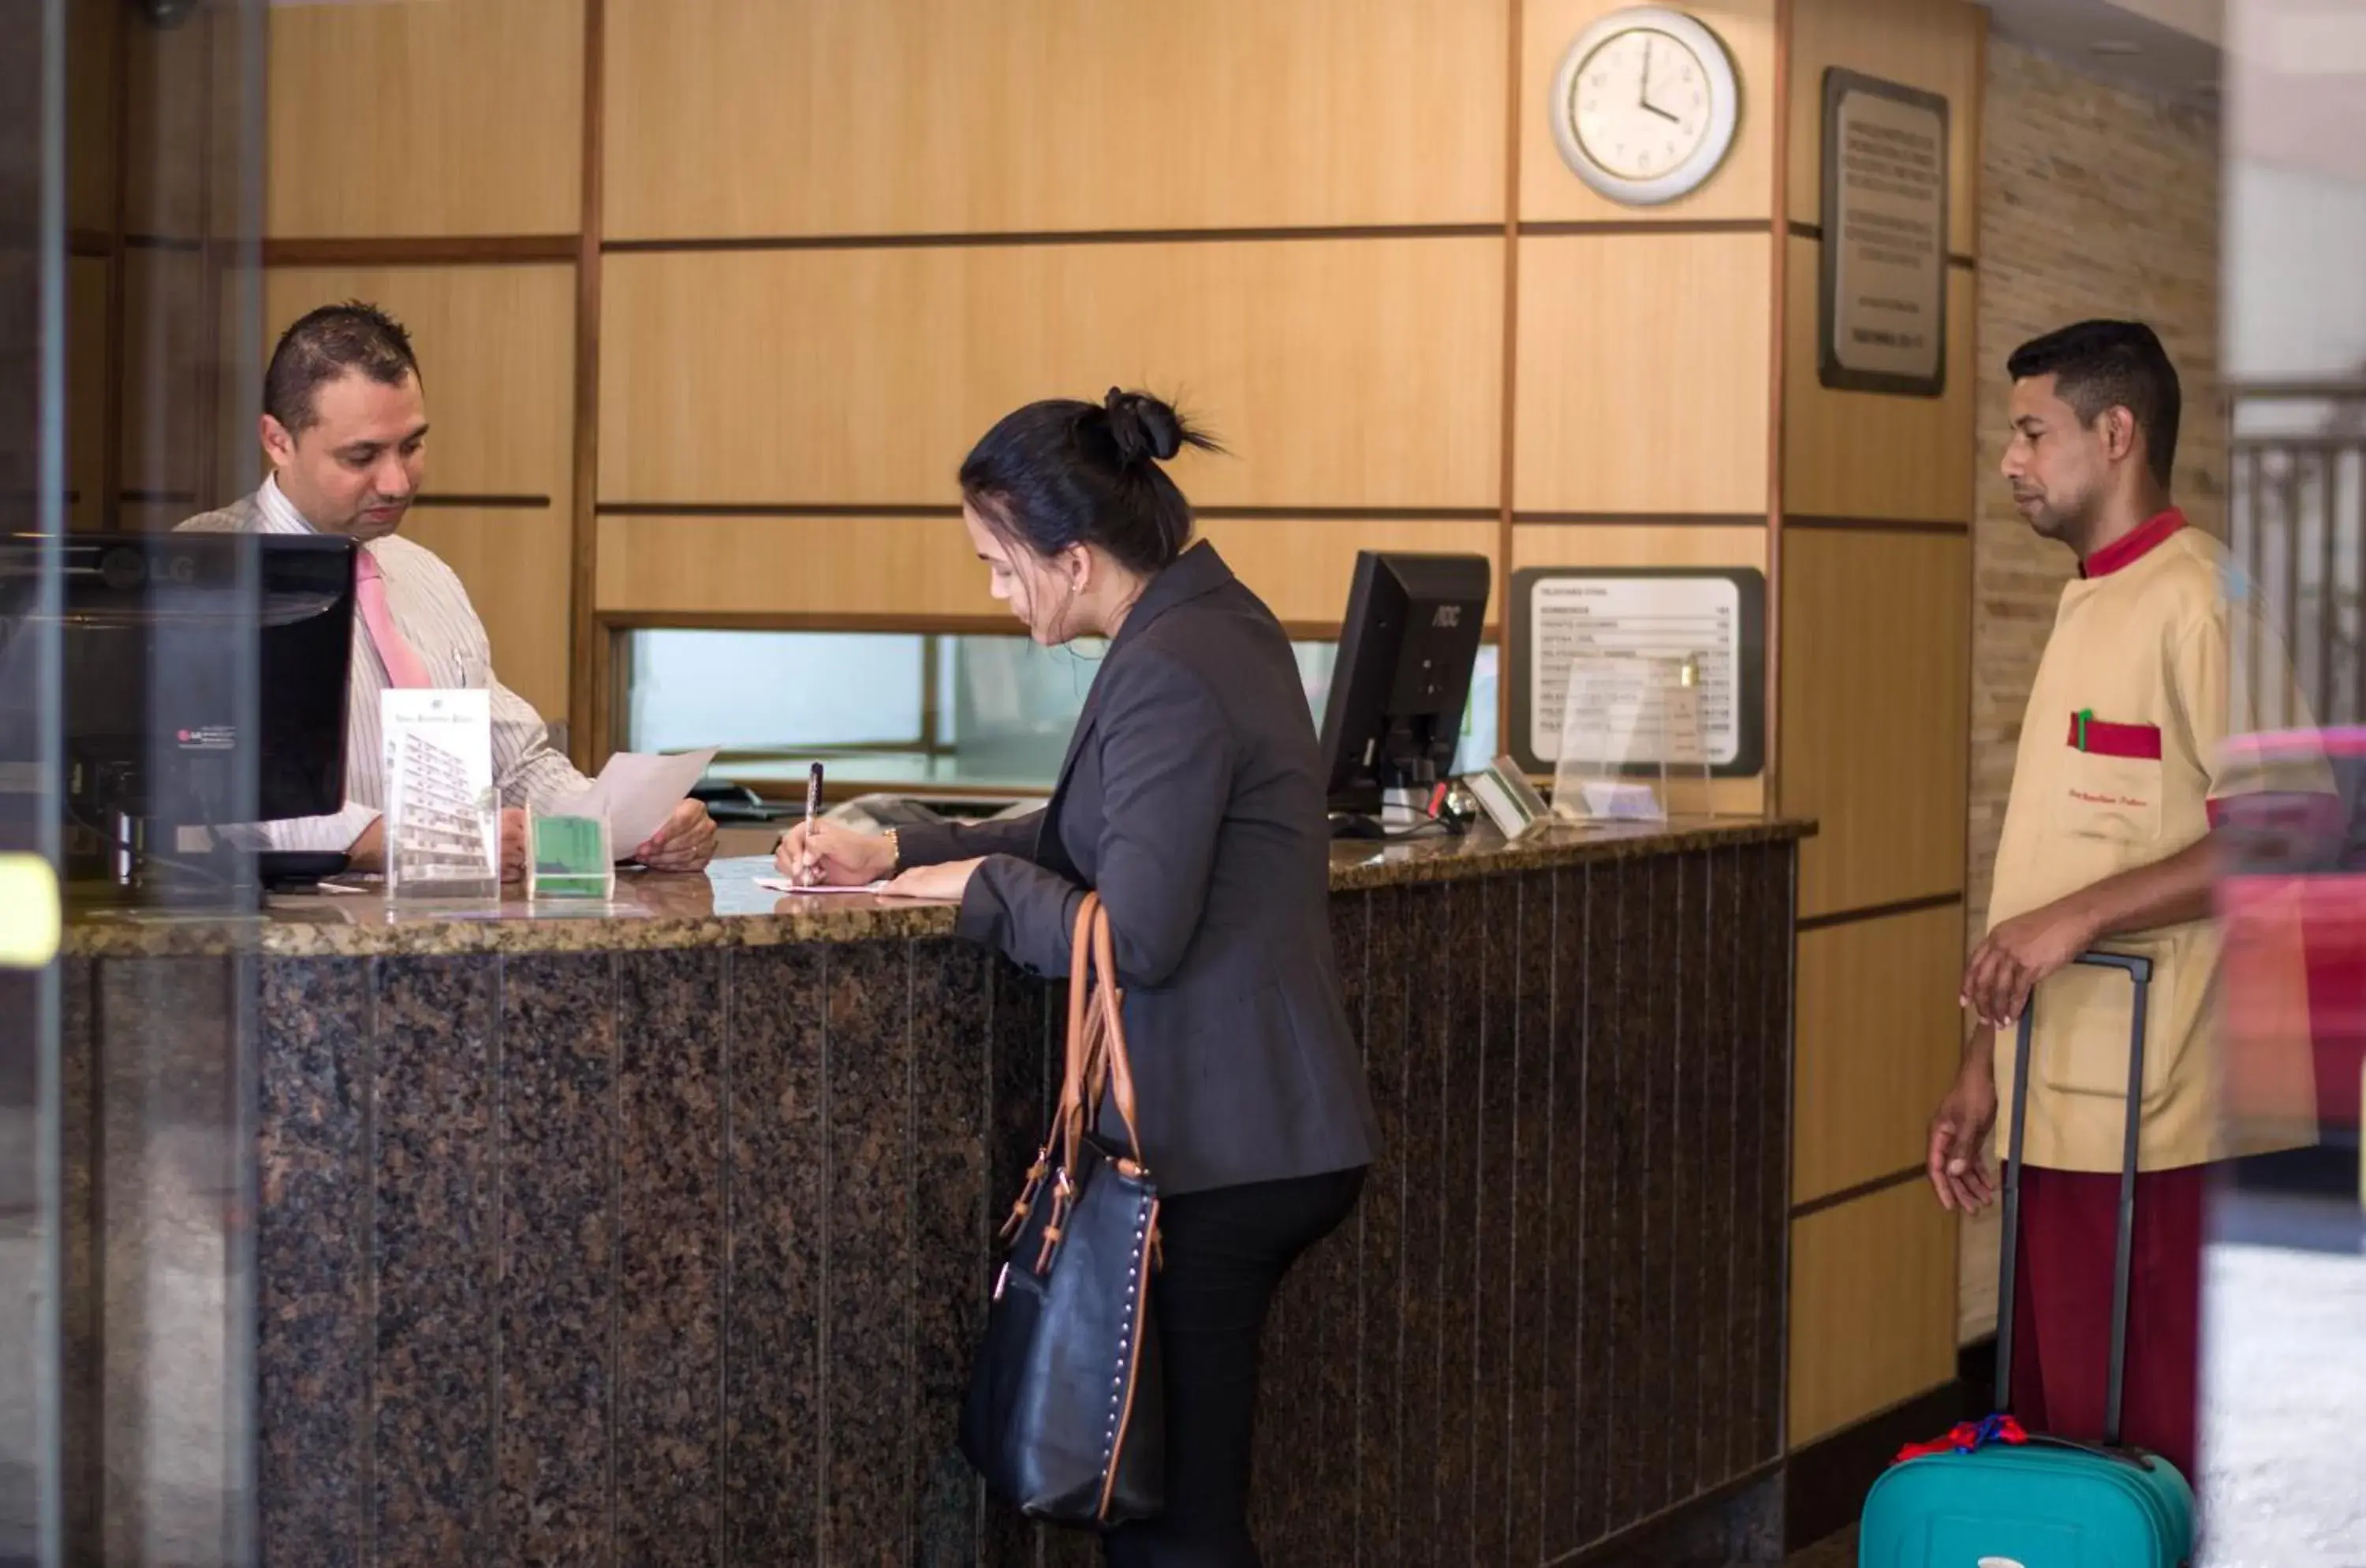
[
  {"x": 1882, "y": 321},
  {"x": 1713, "y": 613}
]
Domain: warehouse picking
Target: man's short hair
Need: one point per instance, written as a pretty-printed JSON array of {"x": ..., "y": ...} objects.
[
  {"x": 324, "y": 344},
  {"x": 2103, "y": 365}
]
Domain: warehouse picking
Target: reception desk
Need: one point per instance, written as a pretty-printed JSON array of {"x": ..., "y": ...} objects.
[{"x": 660, "y": 1232}]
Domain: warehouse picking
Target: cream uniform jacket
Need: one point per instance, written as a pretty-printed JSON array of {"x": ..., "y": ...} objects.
[{"x": 2121, "y": 754}]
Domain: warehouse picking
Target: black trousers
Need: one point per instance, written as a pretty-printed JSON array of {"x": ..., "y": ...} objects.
[{"x": 1226, "y": 1250}]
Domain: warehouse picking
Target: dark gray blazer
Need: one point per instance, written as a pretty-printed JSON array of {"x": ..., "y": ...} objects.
[{"x": 1192, "y": 799}]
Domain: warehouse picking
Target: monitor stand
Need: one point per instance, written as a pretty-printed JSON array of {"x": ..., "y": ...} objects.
[
  {"x": 1404, "y": 814},
  {"x": 1403, "y": 807},
  {"x": 136, "y": 877}
]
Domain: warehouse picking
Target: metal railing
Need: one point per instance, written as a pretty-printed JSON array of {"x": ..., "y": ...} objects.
[{"x": 2296, "y": 528}]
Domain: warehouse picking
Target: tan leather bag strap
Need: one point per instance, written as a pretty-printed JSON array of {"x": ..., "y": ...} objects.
[
  {"x": 1112, "y": 1031},
  {"x": 1069, "y": 1124}
]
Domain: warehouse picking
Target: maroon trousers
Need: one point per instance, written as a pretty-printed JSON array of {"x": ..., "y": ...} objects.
[{"x": 2062, "y": 1307}]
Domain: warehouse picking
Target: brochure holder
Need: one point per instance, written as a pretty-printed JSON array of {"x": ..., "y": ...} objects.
[
  {"x": 1632, "y": 747},
  {"x": 567, "y": 857},
  {"x": 443, "y": 820}
]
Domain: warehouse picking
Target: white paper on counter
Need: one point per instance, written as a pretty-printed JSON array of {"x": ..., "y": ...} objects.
[
  {"x": 637, "y": 791},
  {"x": 781, "y": 884}
]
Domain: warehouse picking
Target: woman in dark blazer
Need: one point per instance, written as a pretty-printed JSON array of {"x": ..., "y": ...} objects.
[{"x": 1192, "y": 800}]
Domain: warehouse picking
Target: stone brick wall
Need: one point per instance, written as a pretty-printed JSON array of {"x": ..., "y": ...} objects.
[{"x": 2095, "y": 200}]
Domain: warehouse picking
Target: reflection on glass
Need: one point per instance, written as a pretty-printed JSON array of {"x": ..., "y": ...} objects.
[{"x": 991, "y": 711}]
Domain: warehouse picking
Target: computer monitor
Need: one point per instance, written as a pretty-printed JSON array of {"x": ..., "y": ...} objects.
[
  {"x": 1402, "y": 681},
  {"x": 204, "y": 680}
]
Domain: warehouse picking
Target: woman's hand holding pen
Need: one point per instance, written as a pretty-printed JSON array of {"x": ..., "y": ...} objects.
[{"x": 831, "y": 854}]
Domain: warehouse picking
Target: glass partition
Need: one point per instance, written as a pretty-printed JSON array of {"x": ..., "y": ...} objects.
[
  {"x": 2284, "y": 1308},
  {"x": 893, "y": 709},
  {"x": 32, "y": 288}
]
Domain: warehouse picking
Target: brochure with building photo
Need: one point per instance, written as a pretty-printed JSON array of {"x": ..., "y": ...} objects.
[{"x": 443, "y": 818}]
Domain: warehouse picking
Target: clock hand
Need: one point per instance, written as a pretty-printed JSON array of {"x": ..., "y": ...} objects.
[
  {"x": 1663, "y": 114},
  {"x": 1643, "y": 81}
]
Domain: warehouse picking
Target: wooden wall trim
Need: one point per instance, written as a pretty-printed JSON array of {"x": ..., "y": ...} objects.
[
  {"x": 610, "y": 622},
  {"x": 944, "y": 509},
  {"x": 1054, "y": 237},
  {"x": 1778, "y": 372},
  {"x": 1545, "y": 227},
  {"x": 1879, "y": 911},
  {"x": 119, "y": 85},
  {"x": 482, "y": 503},
  {"x": 463, "y": 249},
  {"x": 1514, "y": 103},
  {"x": 1646, "y": 519},
  {"x": 1817, "y": 521},
  {"x": 1881, "y": 1183},
  {"x": 590, "y": 706},
  {"x": 210, "y": 269}
]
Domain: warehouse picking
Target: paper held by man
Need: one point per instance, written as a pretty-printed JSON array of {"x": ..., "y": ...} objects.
[{"x": 637, "y": 791}]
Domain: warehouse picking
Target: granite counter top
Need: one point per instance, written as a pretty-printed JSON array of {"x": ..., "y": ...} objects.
[{"x": 724, "y": 907}]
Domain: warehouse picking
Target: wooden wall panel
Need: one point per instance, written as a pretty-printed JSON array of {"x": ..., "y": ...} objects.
[
  {"x": 496, "y": 349},
  {"x": 91, "y": 139},
  {"x": 1742, "y": 188},
  {"x": 1637, "y": 544},
  {"x": 1873, "y": 1292},
  {"x": 165, "y": 374},
  {"x": 436, "y": 117},
  {"x": 791, "y": 566},
  {"x": 924, "y": 566},
  {"x": 1931, "y": 44},
  {"x": 897, "y": 117},
  {"x": 1342, "y": 374},
  {"x": 86, "y": 390},
  {"x": 1642, "y": 381},
  {"x": 1870, "y": 455},
  {"x": 167, "y": 122},
  {"x": 1303, "y": 566},
  {"x": 1878, "y": 1037},
  {"x": 1876, "y": 638},
  {"x": 513, "y": 563}
]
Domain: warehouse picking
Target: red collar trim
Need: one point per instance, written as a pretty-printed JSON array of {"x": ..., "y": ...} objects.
[{"x": 2129, "y": 549}]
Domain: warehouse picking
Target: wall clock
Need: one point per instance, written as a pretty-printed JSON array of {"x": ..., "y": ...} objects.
[{"x": 1645, "y": 104}]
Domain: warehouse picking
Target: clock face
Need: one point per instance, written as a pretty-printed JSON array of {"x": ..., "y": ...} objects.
[
  {"x": 1640, "y": 104},
  {"x": 1645, "y": 104}
]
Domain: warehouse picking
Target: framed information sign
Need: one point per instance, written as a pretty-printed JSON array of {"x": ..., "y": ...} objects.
[
  {"x": 1716, "y": 615},
  {"x": 1882, "y": 315}
]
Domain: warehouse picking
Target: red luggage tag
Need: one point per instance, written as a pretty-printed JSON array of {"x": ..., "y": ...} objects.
[{"x": 1967, "y": 1437}]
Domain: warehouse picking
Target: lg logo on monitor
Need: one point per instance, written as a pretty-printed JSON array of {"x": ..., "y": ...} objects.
[{"x": 126, "y": 570}]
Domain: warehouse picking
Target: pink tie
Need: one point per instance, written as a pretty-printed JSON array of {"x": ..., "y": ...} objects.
[{"x": 403, "y": 668}]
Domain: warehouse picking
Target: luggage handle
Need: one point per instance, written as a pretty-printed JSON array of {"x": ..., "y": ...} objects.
[{"x": 2139, "y": 973}]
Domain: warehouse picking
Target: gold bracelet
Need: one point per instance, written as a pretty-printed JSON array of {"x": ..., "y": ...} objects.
[{"x": 894, "y": 852}]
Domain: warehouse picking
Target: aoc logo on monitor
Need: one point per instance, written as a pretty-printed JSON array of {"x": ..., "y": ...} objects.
[{"x": 1448, "y": 616}]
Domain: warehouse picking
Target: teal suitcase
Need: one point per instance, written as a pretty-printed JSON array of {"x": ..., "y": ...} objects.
[{"x": 1996, "y": 1497}]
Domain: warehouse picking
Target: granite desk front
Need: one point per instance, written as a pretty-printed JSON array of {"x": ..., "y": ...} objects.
[{"x": 660, "y": 1234}]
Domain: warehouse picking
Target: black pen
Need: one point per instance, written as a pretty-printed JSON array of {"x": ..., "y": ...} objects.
[{"x": 813, "y": 805}]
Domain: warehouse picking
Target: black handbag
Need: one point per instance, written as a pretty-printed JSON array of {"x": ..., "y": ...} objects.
[{"x": 1065, "y": 1414}]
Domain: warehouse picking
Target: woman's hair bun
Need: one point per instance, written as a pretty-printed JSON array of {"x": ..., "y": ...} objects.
[{"x": 1142, "y": 426}]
